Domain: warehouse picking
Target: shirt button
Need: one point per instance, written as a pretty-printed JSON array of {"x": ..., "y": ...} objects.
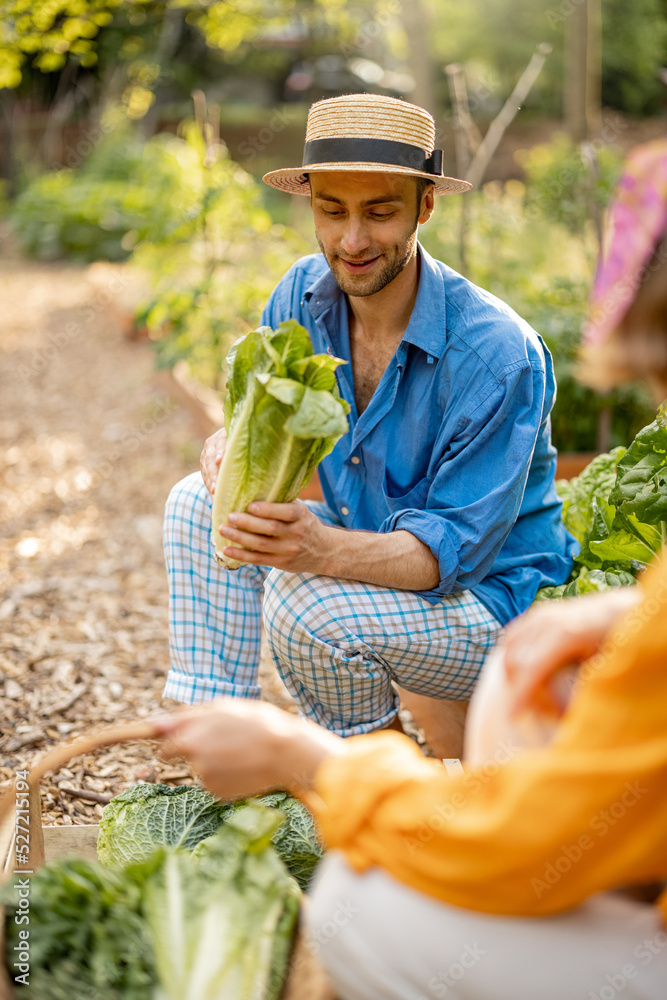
[
  {"x": 355, "y": 460},
  {"x": 344, "y": 511}
]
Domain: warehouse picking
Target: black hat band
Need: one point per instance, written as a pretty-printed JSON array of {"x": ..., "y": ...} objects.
[{"x": 362, "y": 150}]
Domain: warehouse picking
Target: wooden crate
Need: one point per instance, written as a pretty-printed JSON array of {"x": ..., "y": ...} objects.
[{"x": 305, "y": 980}]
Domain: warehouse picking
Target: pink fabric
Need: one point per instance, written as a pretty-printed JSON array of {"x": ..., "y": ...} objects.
[{"x": 638, "y": 219}]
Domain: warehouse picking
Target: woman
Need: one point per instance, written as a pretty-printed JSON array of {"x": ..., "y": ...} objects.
[{"x": 499, "y": 883}]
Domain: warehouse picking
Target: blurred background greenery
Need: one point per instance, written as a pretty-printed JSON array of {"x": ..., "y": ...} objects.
[{"x": 139, "y": 131}]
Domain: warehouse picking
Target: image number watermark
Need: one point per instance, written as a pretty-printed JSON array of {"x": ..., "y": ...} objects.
[{"x": 21, "y": 958}]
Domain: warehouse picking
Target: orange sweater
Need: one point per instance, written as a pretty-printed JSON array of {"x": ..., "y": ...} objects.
[{"x": 538, "y": 831}]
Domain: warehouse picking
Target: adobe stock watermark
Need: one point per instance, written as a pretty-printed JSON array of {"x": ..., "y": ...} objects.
[
  {"x": 252, "y": 145},
  {"x": 616, "y": 982},
  {"x": 371, "y": 30},
  {"x": 21, "y": 958},
  {"x": 600, "y": 825},
  {"x": 620, "y": 294},
  {"x": 343, "y": 913},
  {"x": 58, "y": 340},
  {"x": 561, "y": 14},
  {"x": 440, "y": 984},
  {"x": 444, "y": 812},
  {"x": 91, "y": 135},
  {"x": 317, "y": 938},
  {"x": 131, "y": 440},
  {"x": 633, "y": 622}
]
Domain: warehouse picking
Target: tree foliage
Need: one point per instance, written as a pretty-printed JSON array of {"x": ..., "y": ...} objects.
[{"x": 45, "y": 34}]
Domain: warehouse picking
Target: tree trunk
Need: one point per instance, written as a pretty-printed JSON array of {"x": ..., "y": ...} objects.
[
  {"x": 413, "y": 17},
  {"x": 583, "y": 61},
  {"x": 7, "y": 134}
]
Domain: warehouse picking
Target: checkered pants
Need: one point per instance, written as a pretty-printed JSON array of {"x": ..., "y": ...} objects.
[{"x": 339, "y": 646}]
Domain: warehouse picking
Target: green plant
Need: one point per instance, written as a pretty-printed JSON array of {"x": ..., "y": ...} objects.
[
  {"x": 211, "y": 276},
  {"x": 617, "y": 511},
  {"x": 222, "y": 918},
  {"x": 145, "y": 816},
  {"x": 563, "y": 186},
  {"x": 283, "y": 414},
  {"x": 581, "y": 495},
  {"x": 296, "y": 839},
  {"x": 126, "y": 191},
  {"x": 633, "y": 524},
  {"x": 87, "y": 935},
  {"x": 215, "y": 923}
]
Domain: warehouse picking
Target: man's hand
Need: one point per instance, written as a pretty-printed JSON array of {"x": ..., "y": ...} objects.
[
  {"x": 241, "y": 748},
  {"x": 558, "y": 634},
  {"x": 211, "y": 457},
  {"x": 287, "y": 536}
]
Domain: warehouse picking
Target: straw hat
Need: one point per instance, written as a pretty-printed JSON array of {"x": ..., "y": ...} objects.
[{"x": 368, "y": 132}]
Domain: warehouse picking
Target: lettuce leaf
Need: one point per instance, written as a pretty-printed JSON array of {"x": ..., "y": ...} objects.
[
  {"x": 641, "y": 483},
  {"x": 283, "y": 415},
  {"x": 584, "y": 498},
  {"x": 222, "y": 918},
  {"x": 587, "y": 581}
]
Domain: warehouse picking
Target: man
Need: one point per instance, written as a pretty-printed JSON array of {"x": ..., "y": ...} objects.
[{"x": 443, "y": 487}]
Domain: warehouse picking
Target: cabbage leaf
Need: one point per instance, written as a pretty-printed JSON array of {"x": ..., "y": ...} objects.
[{"x": 147, "y": 816}]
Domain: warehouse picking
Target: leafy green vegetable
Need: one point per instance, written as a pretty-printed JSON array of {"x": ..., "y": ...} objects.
[
  {"x": 296, "y": 839},
  {"x": 145, "y": 816},
  {"x": 617, "y": 511},
  {"x": 581, "y": 498},
  {"x": 641, "y": 484},
  {"x": 591, "y": 580},
  {"x": 549, "y": 593},
  {"x": 283, "y": 414},
  {"x": 222, "y": 918},
  {"x": 633, "y": 524},
  {"x": 212, "y": 924},
  {"x": 88, "y": 938},
  {"x": 587, "y": 581}
]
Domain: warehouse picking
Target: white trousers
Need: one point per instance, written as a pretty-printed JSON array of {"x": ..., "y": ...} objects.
[{"x": 380, "y": 940}]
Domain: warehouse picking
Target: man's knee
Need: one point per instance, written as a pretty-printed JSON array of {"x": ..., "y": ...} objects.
[
  {"x": 188, "y": 501},
  {"x": 286, "y": 600}
]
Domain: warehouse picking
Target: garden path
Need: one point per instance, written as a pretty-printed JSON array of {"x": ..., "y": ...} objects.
[{"x": 90, "y": 442}]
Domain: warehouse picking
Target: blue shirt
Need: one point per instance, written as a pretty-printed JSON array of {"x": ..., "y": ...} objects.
[{"x": 454, "y": 445}]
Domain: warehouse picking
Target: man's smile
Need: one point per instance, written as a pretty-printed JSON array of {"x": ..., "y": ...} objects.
[{"x": 359, "y": 267}]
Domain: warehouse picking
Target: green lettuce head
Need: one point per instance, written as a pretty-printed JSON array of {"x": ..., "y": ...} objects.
[{"x": 283, "y": 414}]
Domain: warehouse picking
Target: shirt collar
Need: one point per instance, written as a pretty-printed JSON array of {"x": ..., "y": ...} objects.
[{"x": 428, "y": 322}]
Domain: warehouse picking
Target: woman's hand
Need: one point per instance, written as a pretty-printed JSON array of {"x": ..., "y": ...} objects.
[
  {"x": 211, "y": 457},
  {"x": 557, "y": 634},
  {"x": 242, "y": 748}
]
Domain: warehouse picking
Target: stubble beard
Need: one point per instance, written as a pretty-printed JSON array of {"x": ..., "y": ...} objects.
[{"x": 393, "y": 263}]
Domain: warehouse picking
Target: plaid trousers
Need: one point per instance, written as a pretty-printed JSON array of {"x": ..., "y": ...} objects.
[{"x": 339, "y": 646}]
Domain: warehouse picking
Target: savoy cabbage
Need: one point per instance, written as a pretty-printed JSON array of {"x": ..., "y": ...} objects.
[{"x": 145, "y": 816}]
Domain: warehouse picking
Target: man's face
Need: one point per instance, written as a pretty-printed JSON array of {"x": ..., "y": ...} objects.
[{"x": 366, "y": 226}]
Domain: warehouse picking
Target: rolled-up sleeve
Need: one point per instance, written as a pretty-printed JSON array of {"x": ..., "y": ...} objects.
[{"x": 478, "y": 481}]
